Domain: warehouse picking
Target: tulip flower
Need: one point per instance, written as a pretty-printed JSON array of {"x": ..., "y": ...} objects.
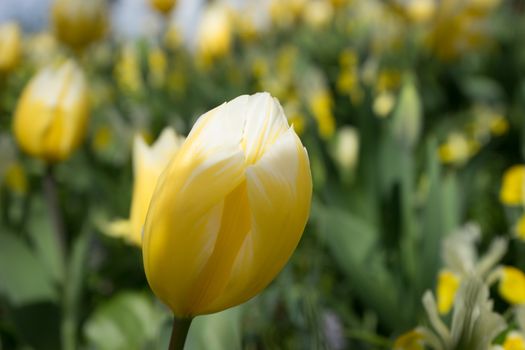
[
  {"x": 78, "y": 23},
  {"x": 52, "y": 113},
  {"x": 214, "y": 38},
  {"x": 163, "y": 6},
  {"x": 10, "y": 46},
  {"x": 148, "y": 164},
  {"x": 229, "y": 209}
]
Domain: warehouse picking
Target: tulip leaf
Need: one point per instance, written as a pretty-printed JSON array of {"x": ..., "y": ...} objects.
[
  {"x": 130, "y": 320},
  {"x": 355, "y": 246},
  {"x": 45, "y": 242},
  {"x": 23, "y": 278}
]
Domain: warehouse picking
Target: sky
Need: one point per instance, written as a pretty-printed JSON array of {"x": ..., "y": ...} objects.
[{"x": 130, "y": 18}]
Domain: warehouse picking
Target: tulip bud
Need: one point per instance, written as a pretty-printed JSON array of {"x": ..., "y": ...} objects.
[
  {"x": 10, "y": 46},
  {"x": 215, "y": 32},
  {"x": 346, "y": 148},
  {"x": 229, "y": 209},
  {"x": 163, "y": 6},
  {"x": 78, "y": 23},
  {"x": 52, "y": 112}
]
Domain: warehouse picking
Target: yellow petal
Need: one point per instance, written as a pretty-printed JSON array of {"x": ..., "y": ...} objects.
[
  {"x": 279, "y": 191},
  {"x": 447, "y": 287},
  {"x": 514, "y": 341},
  {"x": 412, "y": 340},
  {"x": 512, "y": 285},
  {"x": 513, "y": 187}
]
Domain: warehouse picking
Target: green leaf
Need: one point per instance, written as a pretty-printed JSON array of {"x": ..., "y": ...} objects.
[
  {"x": 23, "y": 278},
  {"x": 355, "y": 246},
  {"x": 129, "y": 320},
  {"x": 43, "y": 237}
]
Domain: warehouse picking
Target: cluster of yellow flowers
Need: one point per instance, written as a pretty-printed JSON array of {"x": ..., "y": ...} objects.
[{"x": 461, "y": 145}]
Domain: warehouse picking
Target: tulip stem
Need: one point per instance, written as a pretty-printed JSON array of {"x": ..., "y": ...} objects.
[
  {"x": 51, "y": 194},
  {"x": 179, "y": 332}
]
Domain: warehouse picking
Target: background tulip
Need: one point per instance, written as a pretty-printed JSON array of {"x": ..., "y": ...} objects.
[
  {"x": 52, "y": 113},
  {"x": 10, "y": 46},
  {"x": 163, "y": 6},
  {"x": 229, "y": 210},
  {"x": 78, "y": 23},
  {"x": 148, "y": 164},
  {"x": 214, "y": 37}
]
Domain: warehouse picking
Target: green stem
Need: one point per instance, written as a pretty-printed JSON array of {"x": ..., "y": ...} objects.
[
  {"x": 179, "y": 332},
  {"x": 51, "y": 196},
  {"x": 57, "y": 220}
]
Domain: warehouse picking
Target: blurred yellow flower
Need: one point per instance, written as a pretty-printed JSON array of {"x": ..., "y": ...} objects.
[
  {"x": 163, "y": 6},
  {"x": 127, "y": 70},
  {"x": 173, "y": 37},
  {"x": 460, "y": 27},
  {"x": 229, "y": 210},
  {"x": 383, "y": 104},
  {"x": 78, "y": 23},
  {"x": 512, "y": 285},
  {"x": 214, "y": 36},
  {"x": 102, "y": 138},
  {"x": 458, "y": 149},
  {"x": 40, "y": 48},
  {"x": 10, "y": 46},
  {"x": 158, "y": 65},
  {"x": 419, "y": 11},
  {"x": 285, "y": 13},
  {"x": 346, "y": 149},
  {"x": 321, "y": 104},
  {"x": 16, "y": 179},
  {"x": 499, "y": 125},
  {"x": 51, "y": 117},
  {"x": 514, "y": 341},
  {"x": 412, "y": 340},
  {"x": 520, "y": 228},
  {"x": 512, "y": 191},
  {"x": 292, "y": 110},
  {"x": 447, "y": 287},
  {"x": 318, "y": 13}
]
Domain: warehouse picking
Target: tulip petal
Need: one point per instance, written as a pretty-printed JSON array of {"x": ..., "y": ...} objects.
[
  {"x": 184, "y": 220},
  {"x": 261, "y": 132},
  {"x": 279, "y": 192}
]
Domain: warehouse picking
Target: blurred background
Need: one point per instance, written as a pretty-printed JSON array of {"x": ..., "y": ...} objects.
[{"x": 412, "y": 112}]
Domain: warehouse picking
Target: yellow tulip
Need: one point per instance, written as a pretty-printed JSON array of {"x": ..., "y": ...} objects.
[
  {"x": 512, "y": 285},
  {"x": 229, "y": 210},
  {"x": 447, "y": 287},
  {"x": 163, "y": 6},
  {"x": 78, "y": 23},
  {"x": 52, "y": 113},
  {"x": 148, "y": 164},
  {"x": 214, "y": 37},
  {"x": 512, "y": 191},
  {"x": 10, "y": 46}
]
